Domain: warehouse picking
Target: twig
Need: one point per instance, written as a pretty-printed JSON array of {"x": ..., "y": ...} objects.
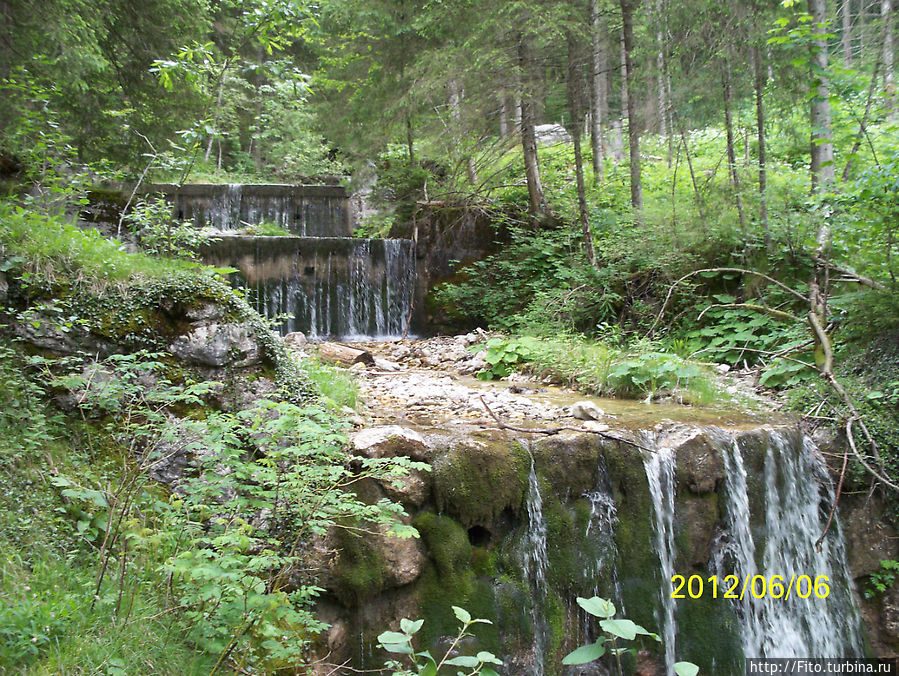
[
  {"x": 549, "y": 431},
  {"x": 836, "y": 499},
  {"x": 740, "y": 270},
  {"x": 859, "y": 457}
]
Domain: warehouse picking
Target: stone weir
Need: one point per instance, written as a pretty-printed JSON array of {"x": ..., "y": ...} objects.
[
  {"x": 320, "y": 281},
  {"x": 307, "y": 210},
  {"x": 328, "y": 286},
  {"x": 515, "y": 526}
]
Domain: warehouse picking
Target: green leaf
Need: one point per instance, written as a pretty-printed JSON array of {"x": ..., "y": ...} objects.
[
  {"x": 411, "y": 627},
  {"x": 724, "y": 298},
  {"x": 586, "y": 653},
  {"x": 488, "y": 658},
  {"x": 392, "y": 637},
  {"x": 685, "y": 669},
  {"x": 621, "y": 628},
  {"x": 597, "y": 606},
  {"x": 463, "y": 661},
  {"x": 463, "y": 616}
]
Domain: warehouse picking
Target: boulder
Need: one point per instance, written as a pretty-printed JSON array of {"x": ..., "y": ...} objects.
[
  {"x": 412, "y": 490},
  {"x": 586, "y": 410},
  {"x": 218, "y": 345},
  {"x": 296, "y": 340},
  {"x": 551, "y": 134},
  {"x": 390, "y": 441}
]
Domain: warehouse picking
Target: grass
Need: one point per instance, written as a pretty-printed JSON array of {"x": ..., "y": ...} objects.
[
  {"x": 266, "y": 229},
  {"x": 336, "y": 385},
  {"x": 51, "y": 249},
  {"x": 638, "y": 371}
]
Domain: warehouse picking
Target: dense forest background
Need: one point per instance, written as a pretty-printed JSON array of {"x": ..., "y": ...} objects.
[{"x": 672, "y": 186}]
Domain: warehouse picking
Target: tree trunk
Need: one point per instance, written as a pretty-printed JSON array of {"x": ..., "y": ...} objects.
[
  {"x": 624, "y": 82},
  {"x": 456, "y": 94},
  {"x": 215, "y": 120},
  {"x": 410, "y": 142},
  {"x": 529, "y": 140},
  {"x": 660, "y": 73},
  {"x": 633, "y": 124},
  {"x": 821, "y": 140},
  {"x": 846, "y": 37},
  {"x": 599, "y": 91},
  {"x": 503, "y": 115},
  {"x": 759, "y": 86},
  {"x": 886, "y": 15},
  {"x": 731, "y": 155},
  {"x": 575, "y": 108}
]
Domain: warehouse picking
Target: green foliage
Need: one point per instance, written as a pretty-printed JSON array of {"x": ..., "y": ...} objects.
[
  {"x": 614, "y": 629},
  {"x": 503, "y": 355},
  {"x": 225, "y": 548},
  {"x": 337, "y": 387},
  {"x": 49, "y": 250},
  {"x": 151, "y": 219},
  {"x": 881, "y": 580},
  {"x": 423, "y": 663}
]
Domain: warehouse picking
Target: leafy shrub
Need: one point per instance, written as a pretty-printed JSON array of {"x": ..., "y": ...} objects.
[
  {"x": 151, "y": 219},
  {"x": 503, "y": 355},
  {"x": 882, "y": 579}
]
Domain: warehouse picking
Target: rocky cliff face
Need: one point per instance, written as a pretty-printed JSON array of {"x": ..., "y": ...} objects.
[{"x": 475, "y": 513}]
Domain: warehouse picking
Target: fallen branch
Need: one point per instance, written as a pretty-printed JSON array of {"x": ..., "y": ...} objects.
[
  {"x": 836, "y": 499},
  {"x": 852, "y": 277},
  {"x": 740, "y": 270},
  {"x": 777, "y": 314},
  {"x": 549, "y": 431},
  {"x": 859, "y": 457}
]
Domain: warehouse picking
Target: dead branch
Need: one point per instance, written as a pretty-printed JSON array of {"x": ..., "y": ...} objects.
[
  {"x": 836, "y": 499},
  {"x": 861, "y": 459},
  {"x": 852, "y": 277},
  {"x": 740, "y": 270},
  {"x": 777, "y": 314},
  {"x": 549, "y": 431}
]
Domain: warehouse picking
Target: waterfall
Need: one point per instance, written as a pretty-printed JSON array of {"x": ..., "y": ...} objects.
[
  {"x": 599, "y": 536},
  {"x": 534, "y": 563},
  {"x": 797, "y": 496},
  {"x": 343, "y": 287},
  {"x": 659, "y": 466}
]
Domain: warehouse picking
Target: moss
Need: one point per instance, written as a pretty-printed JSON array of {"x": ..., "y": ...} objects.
[
  {"x": 447, "y": 542},
  {"x": 635, "y": 532},
  {"x": 708, "y": 634},
  {"x": 483, "y": 562},
  {"x": 556, "y": 619},
  {"x": 568, "y": 464},
  {"x": 438, "y": 593},
  {"x": 479, "y": 478},
  {"x": 360, "y": 572}
]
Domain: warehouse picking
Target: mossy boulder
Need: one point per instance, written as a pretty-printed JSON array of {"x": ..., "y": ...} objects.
[
  {"x": 478, "y": 477},
  {"x": 568, "y": 463},
  {"x": 368, "y": 563}
]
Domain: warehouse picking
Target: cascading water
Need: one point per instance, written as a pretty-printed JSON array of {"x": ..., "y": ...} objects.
[
  {"x": 304, "y": 210},
  {"x": 322, "y": 281},
  {"x": 798, "y": 493},
  {"x": 534, "y": 563},
  {"x": 659, "y": 466},
  {"x": 330, "y": 286}
]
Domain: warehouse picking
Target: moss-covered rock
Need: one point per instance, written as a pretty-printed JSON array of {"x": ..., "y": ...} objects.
[
  {"x": 478, "y": 477},
  {"x": 568, "y": 463}
]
